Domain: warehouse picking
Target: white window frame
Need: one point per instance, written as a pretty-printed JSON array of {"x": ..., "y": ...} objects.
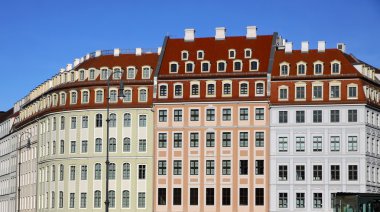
[
  {"x": 139, "y": 90},
  {"x": 335, "y": 62},
  {"x": 250, "y": 53},
  {"x": 240, "y": 83},
  {"x": 335, "y": 83},
  {"x": 176, "y": 96},
  {"x": 71, "y": 97},
  {"x": 84, "y": 74},
  {"x": 238, "y": 61},
  {"x": 170, "y": 67},
  {"x": 264, "y": 90},
  {"x": 88, "y": 100},
  {"x": 224, "y": 82},
  {"x": 113, "y": 72},
  {"x": 314, "y": 84},
  {"x": 318, "y": 62},
  {"x": 142, "y": 72},
  {"x": 189, "y": 62},
  {"x": 134, "y": 72},
  {"x": 128, "y": 89},
  {"x": 159, "y": 91},
  {"x": 250, "y": 65},
  {"x": 300, "y": 84},
  {"x": 298, "y": 70},
  {"x": 109, "y": 95},
  {"x": 352, "y": 85},
  {"x": 95, "y": 91},
  {"x": 203, "y": 55},
  {"x": 229, "y": 51},
  {"x": 217, "y": 65},
  {"x": 182, "y": 55},
  {"x": 284, "y": 64},
  {"x": 209, "y": 66},
  {"x": 199, "y": 89},
  {"x": 210, "y": 82},
  {"x": 287, "y": 92}
]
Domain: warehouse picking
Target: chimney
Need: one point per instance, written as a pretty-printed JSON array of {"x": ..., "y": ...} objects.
[
  {"x": 81, "y": 60},
  {"x": 189, "y": 35},
  {"x": 116, "y": 52},
  {"x": 159, "y": 49},
  {"x": 98, "y": 53},
  {"x": 341, "y": 47},
  {"x": 288, "y": 47},
  {"x": 251, "y": 32},
  {"x": 69, "y": 67},
  {"x": 138, "y": 51},
  {"x": 305, "y": 46},
  {"x": 87, "y": 56},
  {"x": 76, "y": 62},
  {"x": 220, "y": 33},
  {"x": 321, "y": 46}
]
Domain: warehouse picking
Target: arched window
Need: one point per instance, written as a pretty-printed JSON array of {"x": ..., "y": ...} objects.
[
  {"x": 81, "y": 75},
  {"x": 126, "y": 171},
  {"x": 97, "y": 199},
  {"x": 54, "y": 148},
  {"x": 112, "y": 171},
  {"x": 194, "y": 89},
  {"x": 112, "y": 120},
  {"x": 131, "y": 73},
  {"x": 99, "y": 96},
  {"x": 173, "y": 67},
  {"x": 142, "y": 95},
  {"x": 163, "y": 90},
  {"x": 221, "y": 66},
  {"x": 104, "y": 75},
  {"x": 178, "y": 90},
  {"x": 98, "y": 145},
  {"x": 73, "y": 97},
  {"x": 92, "y": 74},
  {"x": 254, "y": 65},
  {"x": 237, "y": 65},
  {"x": 117, "y": 73},
  {"x": 260, "y": 88},
  {"x": 125, "y": 199},
  {"x": 126, "y": 144},
  {"x": 189, "y": 67},
  {"x": 301, "y": 69},
  {"x": 146, "y": 73},
  {"x": 63, "y": 99},
  {"x": 127, "y": 120},
  {"x": 62, "y": 147},
  {"x": 335, "y": 68},
  {"x": 284, "y": 70},
  {"x": 243, "y": 88},
  {"x": 111, "y": 198},
  {"x": 85, "y": 97},
  {"x": 112, "y": 145},
  {"x": 127, "y": 95},
  {"x": 318, "y": 68},
  {"x": 98, "y": 171},
  {"x": 113, "y": 96},
  {"x": 227, "y": 88},
  {"x": 53, "y": 173},
  {"x": 99, "y": 120},
  {"x": 61, "y": 172},
  {"x": 211, "y": 89}
]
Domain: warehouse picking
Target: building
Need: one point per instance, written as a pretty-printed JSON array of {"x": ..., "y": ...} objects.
[
  {"x": 324, "y": 127},
  {"x": 212, "y": 123}
]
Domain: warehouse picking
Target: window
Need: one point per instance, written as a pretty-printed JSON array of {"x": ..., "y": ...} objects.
[
  {"x": 226, "y": 114},
  {"x": 283, "y": 144},
  {"x": 243, "y": 167},
  {"x": 131, "y": 73},
  {"x": 260, "y": 88},
  {"x": 189, "y": 67},
  {"x": 259, "y": 139},
  {"x": 142, "y": 172},
  {"x": 146, "y": 73},
  {"x": 177, "y": 196},
  {"x": 284, "y": 70},
  {"x": 161, "y": 198},
  {"x": 112, "y": 145},
  {"x": 352, "y": 115},
  {"x": 83, "y": 174},
  {"x": 259, "y": 164},
  {"x": 226, "y": 139},
  {"x": 125, "y": 199},
  {"x": 300, "y": 92},
  {"x": 54, "y": 148},
  {"x": 63, "y": 99},
  {"x": 99, "y": 96},
  {"x": 127, "y": 120},
  {"x": 335, "y": 172},
  {"x": 243, "y": 197},
  {"x": 200, "y": 55},
  {"x": 210, "y": 114},
  {"x": 243, "y": 114},
  {"x": 300, "y": 172},
  {"x": 73, "y": 147},
  {"x": 112, "y": 122},
  {"x": 126, "y": 171},
  {"x": 352, "y": 172},
  {"x": 53, "y": 173},
  {"x": 301, "y": 69},
  {"x": 162, "y": 167},
  {"x": 111, "y": 197},
  {"x": 221, "y": 66},
  {"x": 54, "y": 123},
  {"x": 227, "y": 89},
  {"x": 83, "y": 200},
  {"x": 142, "y": 121},
  {"x": 254, "y": 65},
  {"x": 52, "y": 199},
  {"x": 142, "y": 145},
  {"x": 62, "y": 147},
  {"x": 243, "y": 139},
  {"x": 334, "y": 91},
  {"x": 352, "y": 143},
  {"x": 72, "y": 172},
  {"x": 226, "y": 196},
  {"x": 231, "y": 54},
  {"x": 177, "y": 167},
  {"x": 282, "y": 172},
  {"x": 211, "y": 89},
  {"x": 62, "y": 122},
  {"x": 193, "y": 196},
  {"x": 173, "y": 68},
  {"x": 300, "y": 200},
  {"x": 73, "y": 122},
  {"x": 283, "y": 93},
  {"x": 238, "y": 65},
  {"x": 61, "y": 172},
  {"x": 61, "y": 199},
  {"x": 226, "y": 167},
  {"x": 318, "y": 68},
  {"x": 283, "y": 200},
  {"x": 335, "y": 68},
  {"x": 194, "y": 89},
  {"x": 334, "y": 143},
  {"x": 98, "y": 145},
  {"x": 194, "y": 115},
  {"x": 317, "y": 92},
  {"x": 300, "y": 116},
  {"x": 112, "y": 171},
  {"x": 194, "y": 139},
  {"x": 178, "y": 90},
  {"x": 127, "y": 95},
  {"x": 163, "y": 90},
  {"x": 283, "y": 116},
  {"x": 99, "y": 120},
  {"x": 317, "y": 172},
  {"x": 209, "y": 196},
  {"x": 184, "y": 55},
  {"x": 259, "y": 115},
  {"x": 317, "y": 200},
  {"x": 113, "y": 96},
  {"x": 177, "y": 140},
  {"x": 162, "y": 140},
  {"x": 259, "y": 197},
  {"x": 142, "y": 95},
  {"x": 72, "y": 200},
  {"x": 300, "y": 144},
  {"x": 210, "y": 167},
  {"x": 205, "y": 66},
  {"x": 247, "y": 53},
  {"x": 81, "y": 75},
  {"x": 126, "y": 144},
  {"x": 334, "y": 116},
  {"x": 104, "y": 74},
  {"x": 333, "y": 196},
  {"x": 85, "y": 122},
  {"x": 194, "y": 164},
  {"x": 317, "y": 144},
  {"x": 97, "y": 199},
  {"x": 92, "y": 74},
  {"x": 352, "y": 92},
  {"x": 73, "y": 97},
  {"x": 210, "y": 139},
  {"x": 317, "y": 116}
]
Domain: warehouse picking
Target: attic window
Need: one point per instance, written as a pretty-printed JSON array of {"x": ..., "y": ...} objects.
[
  {"x": 247, "y": 53},
  {"x": 185, "y": 55},
  {"x": 200, "y": 55},
  {"x": 231, "y": 54}
]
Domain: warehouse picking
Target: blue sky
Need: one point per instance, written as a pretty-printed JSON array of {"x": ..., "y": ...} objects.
[{"x": 39, "y": 37}]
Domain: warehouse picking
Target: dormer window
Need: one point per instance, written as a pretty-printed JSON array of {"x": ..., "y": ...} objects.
[
  {"x": 335, "y": 68},
  {"x": 173, "y": 67},
  {"x": 237, "y": 65},
  {"x": 318, "y": 68},
  {"x": 189, "y": 67},
  {"x": 81, "y": 75},
  {"x": 200, "y": 55},
  {"x": 146, "y": 73},
  {"x": 117, "y": 73},
  {"x": 221, "y": 66},
  {"x": 184, "y": 55},
  {"x": 284, "y": 70},
  {"x": 254, "y": 65},
  {"x": 247, "y": 53},
  {"x": 92, "y": 74},
  {"x": 131, "y": 73},
  {"x": 72, "y": 76},
  {"x": 104, "y": 74},
  {"x": 63, "y": 99},
  {"x": 301, "y": 69},
  {"x": 73, "y": 97},
  {"x": 231, "y": 54},
  {"x": 205, "y": 66}
]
